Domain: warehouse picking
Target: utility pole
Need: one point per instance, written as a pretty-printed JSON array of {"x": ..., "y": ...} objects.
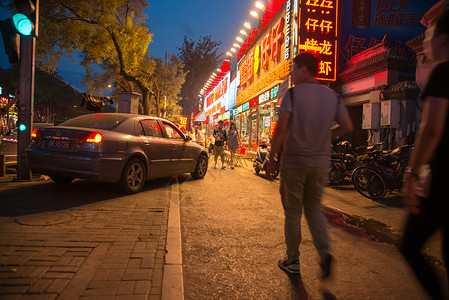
[
  {"x": 26, "y": 103},
  {"x": 28, "y": 28}
]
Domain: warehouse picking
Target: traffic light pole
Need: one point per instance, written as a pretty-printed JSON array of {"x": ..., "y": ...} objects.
[{"x": 26, "y": 103}]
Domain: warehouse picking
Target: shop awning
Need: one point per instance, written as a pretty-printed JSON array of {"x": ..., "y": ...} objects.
[{"x": 200, "y": 117}]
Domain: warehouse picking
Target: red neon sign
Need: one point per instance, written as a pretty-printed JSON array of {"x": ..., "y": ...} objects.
[{"x": 318, "y": 33}]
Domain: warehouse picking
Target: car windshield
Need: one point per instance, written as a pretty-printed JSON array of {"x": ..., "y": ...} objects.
[{"x": 98, "y": 121}]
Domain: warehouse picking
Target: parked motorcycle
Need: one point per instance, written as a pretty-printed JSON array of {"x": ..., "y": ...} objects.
[
  {"x": 261, "y": 162},
  {"x": 343, "y": 162}
]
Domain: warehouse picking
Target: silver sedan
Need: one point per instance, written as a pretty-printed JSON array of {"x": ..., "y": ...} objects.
[{"x": 112, "y": 147}]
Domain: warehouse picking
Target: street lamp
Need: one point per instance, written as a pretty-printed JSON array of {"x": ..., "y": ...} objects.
[
  {"x": 255, "y": 14},
  {"x": 260, "y": 5}
]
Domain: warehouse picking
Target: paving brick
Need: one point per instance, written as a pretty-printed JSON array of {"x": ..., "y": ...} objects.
[
  {"x": 126, "y": 287},
  {"x": 142, "y": 287},
  {"x": 11, "y": 297},
  {"x": 20, "y": 271},
  {"x": 63, "y": 260},
  {"x": 58, "y": 275},
  {"x": 71, "y": 269},
  {"x": 39, "y": 286},
  {"x": 136, "y": 276},
  {"x": 115, "y": 274},
  {"x": 13, "y": 289},
  {"x": 101, "y": 274},
  {"x": 16, "y": 281},
  {"x": 131, "y": 297},
  {"x": 147, "y": 262},
  {"x": 57, "y": 285},
  {"x": 133, "y": 263},
  {"x": 96, "y": 297},
  {"x": 76, "y": 261},
  {"x": 39, "y": 297},
  {"x": 37, "y": 271}
]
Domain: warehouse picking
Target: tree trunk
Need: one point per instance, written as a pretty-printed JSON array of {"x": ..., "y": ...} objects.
[
  {"x": 146, "y": 101},
  {"x": 158, "y": 98}
]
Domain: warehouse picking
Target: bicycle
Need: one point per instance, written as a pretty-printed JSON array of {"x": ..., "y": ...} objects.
[{"x": 381, "y": 172}]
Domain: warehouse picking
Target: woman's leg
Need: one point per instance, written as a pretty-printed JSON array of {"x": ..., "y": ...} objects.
[{"x": 232, "y": 157}]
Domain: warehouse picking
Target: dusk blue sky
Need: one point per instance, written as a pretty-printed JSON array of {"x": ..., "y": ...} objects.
[{"x": 170, "y": 21}]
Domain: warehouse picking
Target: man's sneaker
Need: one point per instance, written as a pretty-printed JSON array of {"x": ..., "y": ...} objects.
[
  {"x": 224, "y": 167},
  {"x": 326, "y": 266},
  {"x": 290, "y": 267}
]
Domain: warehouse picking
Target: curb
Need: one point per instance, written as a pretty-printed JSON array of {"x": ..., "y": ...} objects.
[{"x": 172, "y": 283}]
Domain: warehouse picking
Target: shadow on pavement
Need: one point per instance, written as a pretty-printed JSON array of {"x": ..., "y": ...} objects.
[{"x": 37, "y": 196}]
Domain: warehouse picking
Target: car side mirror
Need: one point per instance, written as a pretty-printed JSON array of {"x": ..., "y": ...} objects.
[{"x": 188, "y": 138}]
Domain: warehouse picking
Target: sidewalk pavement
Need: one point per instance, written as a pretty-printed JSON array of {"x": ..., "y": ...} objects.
[{"x": 79, "y": 243}]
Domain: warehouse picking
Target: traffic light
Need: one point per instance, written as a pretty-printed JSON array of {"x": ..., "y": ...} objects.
[
  {"x": 26, "y": 19},
  {"x": 11, "y": 40}
]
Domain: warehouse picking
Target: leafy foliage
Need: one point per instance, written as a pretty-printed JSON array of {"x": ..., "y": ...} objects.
[
  {"x": 200, "y": 59},
  {"x": 112, "y": 38}
]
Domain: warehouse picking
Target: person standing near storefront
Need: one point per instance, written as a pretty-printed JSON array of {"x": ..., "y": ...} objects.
[
  {"x": 201, "y": 136},
  {"x": 304, "y": 131},
  {"x": 220, "y": 141},
  {"x": 233, "y": 142},
  {"x": 425, "y": 197}
]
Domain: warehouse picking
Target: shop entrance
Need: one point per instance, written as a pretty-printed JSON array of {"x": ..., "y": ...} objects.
[{"x": 359, "y": 136}]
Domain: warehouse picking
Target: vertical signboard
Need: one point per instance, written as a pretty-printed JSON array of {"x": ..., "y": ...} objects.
[
  {"x": 365, "y": 22},
  {"x": 318, "y": 29}
]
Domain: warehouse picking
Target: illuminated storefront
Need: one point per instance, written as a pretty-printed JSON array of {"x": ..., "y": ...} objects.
[
  {"x": 298, "y": 26},
  {"x": 217, "y": 101},
  {"x": 264, "y": 67}
]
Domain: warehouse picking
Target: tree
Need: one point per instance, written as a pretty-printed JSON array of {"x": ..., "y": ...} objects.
[
  {"x": 110, "y": 34},
  {"x": 200, "y": 59}
]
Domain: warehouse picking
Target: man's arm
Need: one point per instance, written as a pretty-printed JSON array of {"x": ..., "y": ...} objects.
[
  {"x": 343, "y": 127},
  {"x": 280, "y": 133}
]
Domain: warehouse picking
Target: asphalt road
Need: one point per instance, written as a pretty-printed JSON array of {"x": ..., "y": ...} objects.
[{"x": 232, "y": 237}]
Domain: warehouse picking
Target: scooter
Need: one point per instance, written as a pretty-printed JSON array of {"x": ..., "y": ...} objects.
[{"x": 261, "y": 162}]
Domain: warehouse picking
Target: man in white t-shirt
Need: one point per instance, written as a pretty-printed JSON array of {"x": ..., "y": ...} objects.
[
  {"x": 201, "y": 136},
  {"x": 304, "y": 132}
]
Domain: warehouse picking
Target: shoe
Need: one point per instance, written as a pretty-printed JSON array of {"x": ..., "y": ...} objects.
[
  {"x": 326, "y": 266},
  {"x": 290, "y": 267},
  {"x": 232, "y": 168},
  {"x": 224, "y": 167}
]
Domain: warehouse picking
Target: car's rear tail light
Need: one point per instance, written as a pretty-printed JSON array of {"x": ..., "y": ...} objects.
[
  {"x": 36, "y": 134},
  {"x": 90, "y": 137},
  {"x": 95, "y": 138}
]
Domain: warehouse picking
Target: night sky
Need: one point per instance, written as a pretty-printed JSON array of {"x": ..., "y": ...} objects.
[{"x": 170, "y": 21}]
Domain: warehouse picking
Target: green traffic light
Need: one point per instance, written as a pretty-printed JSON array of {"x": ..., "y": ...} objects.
[
  {"x": 22, "y": 127},
  {"x": 22, "y": 24}
]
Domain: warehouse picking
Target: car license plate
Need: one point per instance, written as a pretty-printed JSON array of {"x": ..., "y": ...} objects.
[{"x": 58, "y": 144}]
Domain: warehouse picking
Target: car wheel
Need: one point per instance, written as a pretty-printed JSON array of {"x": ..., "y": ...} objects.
[
  {"x": 200, "y": 168},
  {"x": 133, "y": 176},
  {"x": 61, "y": 179}
]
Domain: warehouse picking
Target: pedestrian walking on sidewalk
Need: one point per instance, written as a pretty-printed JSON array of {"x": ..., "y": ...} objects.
[
  {"x": 303, "y": 133},
  {"x": 220, "y": 142},
  {"x": 233, "y": 142},
  {"x": 428, "y": 207},
  {"x": 201, "y": 136}
]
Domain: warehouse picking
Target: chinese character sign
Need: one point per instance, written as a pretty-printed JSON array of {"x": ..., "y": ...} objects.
[
  {"x": 182, "y": 123},
  {"x": 318, "y": 34}
]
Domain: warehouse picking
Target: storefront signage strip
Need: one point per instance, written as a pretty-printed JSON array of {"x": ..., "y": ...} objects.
[{"x": 280, "y": 72}]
